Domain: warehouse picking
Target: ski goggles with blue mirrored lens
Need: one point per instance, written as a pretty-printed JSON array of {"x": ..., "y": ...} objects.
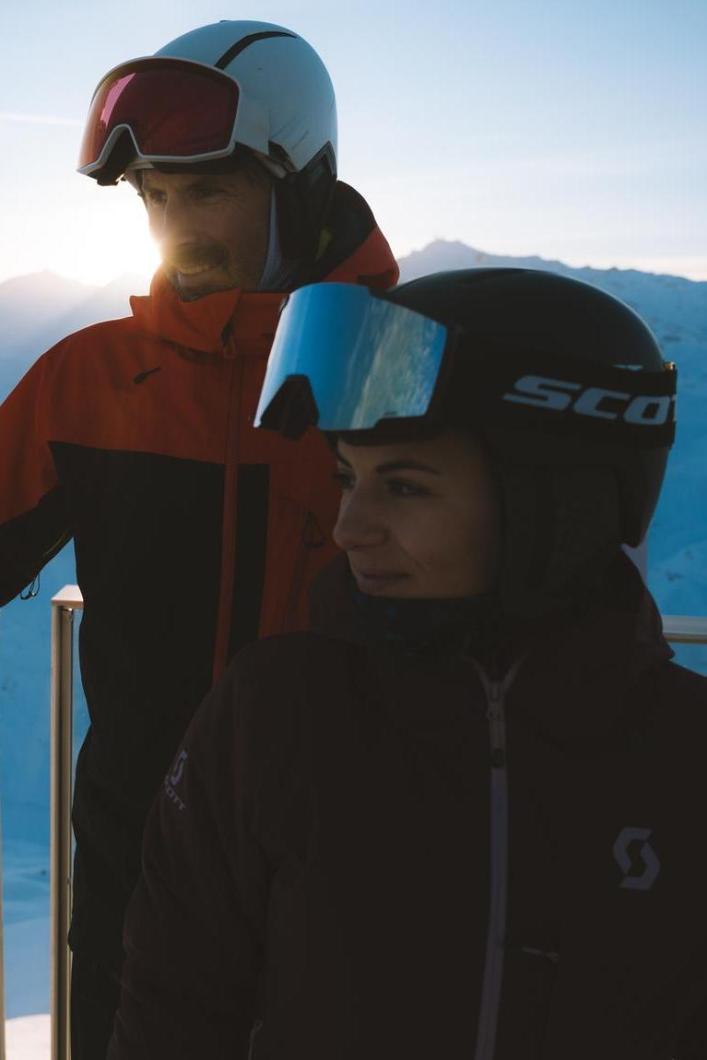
[{"x": 346, "y": 360}]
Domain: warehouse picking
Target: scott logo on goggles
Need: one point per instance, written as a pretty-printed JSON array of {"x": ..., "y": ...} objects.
[{"x": 560, "y": 395}]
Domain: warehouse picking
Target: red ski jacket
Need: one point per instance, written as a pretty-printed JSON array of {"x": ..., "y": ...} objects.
[{"x": 194, "y": 533}]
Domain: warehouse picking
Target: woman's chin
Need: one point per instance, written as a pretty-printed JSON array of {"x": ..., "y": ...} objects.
[{"x": 380, "y": 585}]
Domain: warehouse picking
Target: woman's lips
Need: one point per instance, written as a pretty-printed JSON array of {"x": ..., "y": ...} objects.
[{"x": 377, "y": 581}]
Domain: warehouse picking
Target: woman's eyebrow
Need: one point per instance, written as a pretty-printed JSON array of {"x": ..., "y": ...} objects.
[
  {"x": 396, "y": 465},
  {"x": 406, "y": 465}
]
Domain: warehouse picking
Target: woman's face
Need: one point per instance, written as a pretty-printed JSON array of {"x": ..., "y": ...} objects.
[{"x": 418, "y": 519}]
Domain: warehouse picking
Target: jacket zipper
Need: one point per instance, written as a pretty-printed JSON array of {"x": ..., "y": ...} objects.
[
  {"x": 312, "y": 537},
  {"x": 498, "y": 858},
  {"x": 230, "y": 507}
]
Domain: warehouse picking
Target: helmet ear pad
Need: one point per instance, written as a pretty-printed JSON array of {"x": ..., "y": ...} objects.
[
  {"x": 561, "y": 528},
  {"x": 303, "y": 203}
]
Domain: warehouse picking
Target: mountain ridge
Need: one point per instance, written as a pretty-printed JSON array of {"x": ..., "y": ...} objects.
[
  {"x": 39, "y": 309},
  {"x": 472, "y": 257}
]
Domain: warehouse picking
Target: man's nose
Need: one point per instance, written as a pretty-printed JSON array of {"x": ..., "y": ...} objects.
[
  {"x": 174, "y": 221},
  {"x": 359, "y": 524}
]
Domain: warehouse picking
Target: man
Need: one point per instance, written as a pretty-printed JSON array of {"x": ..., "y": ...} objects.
[{"x": 194, "y": 533}]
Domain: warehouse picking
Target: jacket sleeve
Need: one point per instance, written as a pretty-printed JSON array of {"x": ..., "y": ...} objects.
[
  {"x": 33, "y": 520},
  {"x": 195, "y": 926}
]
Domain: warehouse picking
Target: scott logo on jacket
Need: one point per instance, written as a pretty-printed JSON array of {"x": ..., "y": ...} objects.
[{"x": 636, "y": 858}]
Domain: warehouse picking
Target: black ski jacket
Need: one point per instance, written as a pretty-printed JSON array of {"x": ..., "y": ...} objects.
[{"x": 364, "y": 853}]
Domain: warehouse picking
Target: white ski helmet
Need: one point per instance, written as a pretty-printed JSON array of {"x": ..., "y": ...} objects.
[{"x": 211, "y": 93}]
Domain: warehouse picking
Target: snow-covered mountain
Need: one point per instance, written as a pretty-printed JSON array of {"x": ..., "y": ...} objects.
[
  {"x": 36, "y": 311},
  {"x": 39, "y": 309},
  {"x": 674, "y": 307}
]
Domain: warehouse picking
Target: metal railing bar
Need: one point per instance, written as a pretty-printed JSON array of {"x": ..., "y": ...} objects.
[
  {"x": 685, "y": 629},
  {"x": 2, "y": 963}
]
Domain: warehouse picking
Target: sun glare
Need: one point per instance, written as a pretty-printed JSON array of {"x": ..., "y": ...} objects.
[{"x": 108, "y": 239}]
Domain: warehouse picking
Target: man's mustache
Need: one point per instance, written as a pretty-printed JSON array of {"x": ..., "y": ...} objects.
[{"x": 195, "y": 255}]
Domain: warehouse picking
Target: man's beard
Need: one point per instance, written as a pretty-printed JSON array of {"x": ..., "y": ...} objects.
[{"x": 193, "y": 256}]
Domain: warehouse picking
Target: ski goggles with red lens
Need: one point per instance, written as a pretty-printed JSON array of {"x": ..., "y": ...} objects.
[
  {"x": 175, "y": 110},
  {"x": 344, "y": 359}
]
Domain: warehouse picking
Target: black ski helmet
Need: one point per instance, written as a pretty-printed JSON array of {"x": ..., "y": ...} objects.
[
  {"x": 580, "y": 461},
  {"x": 563, "y": 384}
]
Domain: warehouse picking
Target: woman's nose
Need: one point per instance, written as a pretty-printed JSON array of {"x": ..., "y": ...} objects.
[{"x": 359, "y": 524}]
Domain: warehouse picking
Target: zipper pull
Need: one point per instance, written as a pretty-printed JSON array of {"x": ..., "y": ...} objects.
[
  {"x": 498, "y": 758},
  {"x": 496, "y": 722}
]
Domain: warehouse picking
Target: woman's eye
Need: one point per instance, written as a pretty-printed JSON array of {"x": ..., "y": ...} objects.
[
  {"x": 401, "y": 488},
  {"x": 397, "y": 487}
]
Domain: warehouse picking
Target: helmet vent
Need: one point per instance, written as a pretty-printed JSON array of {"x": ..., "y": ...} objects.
[{"x": 245, "y": 42}]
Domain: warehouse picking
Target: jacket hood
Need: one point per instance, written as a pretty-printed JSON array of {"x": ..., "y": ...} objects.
[{"x": 354, "y": 251}]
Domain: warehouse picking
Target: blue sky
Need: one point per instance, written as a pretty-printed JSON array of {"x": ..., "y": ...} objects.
[{"x": 574, "y": 131}]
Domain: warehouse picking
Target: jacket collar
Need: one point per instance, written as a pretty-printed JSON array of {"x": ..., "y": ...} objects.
[
  {"x": 247, "y": 319},
  {"x": 579, "y": 677},
  {"x": 354, "y": 248},
  {"x": 244, "y": 321},
  {"x": 584, "y": 682}
]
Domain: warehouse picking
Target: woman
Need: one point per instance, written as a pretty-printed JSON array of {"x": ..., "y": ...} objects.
[{"x": 461, "y": 818}]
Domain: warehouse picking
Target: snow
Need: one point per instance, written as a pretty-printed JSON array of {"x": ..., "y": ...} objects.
[
  {"x": 27, "y": 973},
  {"x": 681, "y": 580},
  {"x": 26, "y": 915},
  {"x": 28, "y": 1038}
]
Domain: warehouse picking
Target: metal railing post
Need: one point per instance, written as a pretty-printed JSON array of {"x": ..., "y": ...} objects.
[
  {"x": 2, "y": 963},
  {"x": 62, "y": 694}
]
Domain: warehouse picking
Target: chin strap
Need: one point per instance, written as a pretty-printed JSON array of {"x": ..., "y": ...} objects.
[
  {"x": 277, "y": 274},
  {"x": 304, "y": 203}
]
